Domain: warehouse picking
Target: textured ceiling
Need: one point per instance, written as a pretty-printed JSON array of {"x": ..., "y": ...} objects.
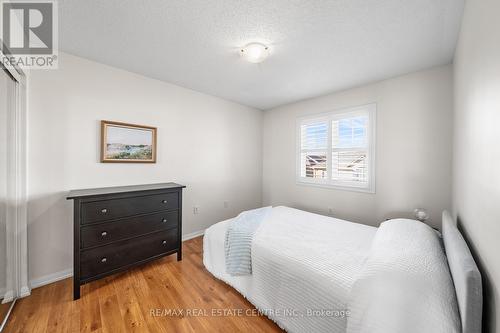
[{"x": 317, "y": 46}]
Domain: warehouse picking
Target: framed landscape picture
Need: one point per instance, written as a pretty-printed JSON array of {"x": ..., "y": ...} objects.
[{"x": 129, "y": 143}]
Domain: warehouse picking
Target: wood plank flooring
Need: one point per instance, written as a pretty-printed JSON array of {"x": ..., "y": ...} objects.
[
  {"x": 162, "y": 296},
  {"x": 4, "y": 308}
]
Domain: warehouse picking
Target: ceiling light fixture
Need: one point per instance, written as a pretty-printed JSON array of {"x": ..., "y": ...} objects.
[{"x": 255, "y": 52}]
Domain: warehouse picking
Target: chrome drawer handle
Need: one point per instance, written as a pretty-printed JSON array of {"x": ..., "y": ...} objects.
[
  {"x": 103, "y": 260},
  {"x": 104, "y": 210},
  {"x": 104, "y": 234},
  {"x": 164, "y": 201},
  {"x": 164, "y": 220},
  {"x": 164, "y": 242}
]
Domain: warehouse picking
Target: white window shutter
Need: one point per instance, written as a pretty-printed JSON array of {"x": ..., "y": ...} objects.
[{"x": 337, "y": 149}]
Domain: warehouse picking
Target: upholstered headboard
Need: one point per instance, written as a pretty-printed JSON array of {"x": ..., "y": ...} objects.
[{"x": 465, "y": 274}]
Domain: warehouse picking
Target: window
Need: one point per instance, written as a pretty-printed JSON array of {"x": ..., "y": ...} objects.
[{"x": 336, "y": 149}]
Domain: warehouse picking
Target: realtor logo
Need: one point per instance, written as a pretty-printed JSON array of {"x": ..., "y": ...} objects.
[{"x": 29, "y": 33}]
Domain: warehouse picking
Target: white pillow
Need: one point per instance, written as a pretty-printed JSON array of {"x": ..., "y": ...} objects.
[{"x": 405, "y": 284}]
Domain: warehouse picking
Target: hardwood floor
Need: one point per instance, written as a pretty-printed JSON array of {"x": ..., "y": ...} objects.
[
  {"x": 140, "y": 300},
  {"x": 4, "y": 308}
]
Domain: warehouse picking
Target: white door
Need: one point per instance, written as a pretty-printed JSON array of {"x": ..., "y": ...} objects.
[{"x": 7, "y": 151}]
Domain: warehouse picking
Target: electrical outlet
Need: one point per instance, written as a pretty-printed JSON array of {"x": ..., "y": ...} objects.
[
  {"x": 226, "y": 204},
  {"x": 196, "y": 210}
]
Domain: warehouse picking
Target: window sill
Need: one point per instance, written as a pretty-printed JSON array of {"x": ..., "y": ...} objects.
[{"x": 368, "y": 190}]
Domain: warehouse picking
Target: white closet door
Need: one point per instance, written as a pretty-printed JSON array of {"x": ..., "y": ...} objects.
[{"x": 7, "y": 155}]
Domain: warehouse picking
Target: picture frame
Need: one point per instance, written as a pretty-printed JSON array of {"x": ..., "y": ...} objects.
[{"x": 127, "y": 143}]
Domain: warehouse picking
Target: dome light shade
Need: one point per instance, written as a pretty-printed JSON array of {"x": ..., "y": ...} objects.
[{"x": 255, "y": 52}]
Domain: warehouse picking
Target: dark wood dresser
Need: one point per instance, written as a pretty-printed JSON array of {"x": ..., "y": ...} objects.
[{"x": 116, "y": 228}]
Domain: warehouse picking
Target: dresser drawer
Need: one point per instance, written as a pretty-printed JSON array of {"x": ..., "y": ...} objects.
[
  {"x": 105, "y": 233},
  {"x": 109, "y": 257},
  {"x": 111, "y": 209}
]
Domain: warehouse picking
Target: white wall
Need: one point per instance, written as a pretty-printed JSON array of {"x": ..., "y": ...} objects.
[
  {"x": 413, "y": 153},
  {"x": 476, "y": 180},
  {"x": 212, "y": 146}
]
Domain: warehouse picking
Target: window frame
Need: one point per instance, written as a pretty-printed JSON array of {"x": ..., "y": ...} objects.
[{"x": 328, "y": 117}]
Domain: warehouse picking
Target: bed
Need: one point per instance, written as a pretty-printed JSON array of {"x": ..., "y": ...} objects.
[{"x": 312, "y": 273}]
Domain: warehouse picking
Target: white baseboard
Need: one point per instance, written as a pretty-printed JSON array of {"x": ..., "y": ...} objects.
[
  {"x": 193, "y": 235},
  {"x": 50, "y": 278}
]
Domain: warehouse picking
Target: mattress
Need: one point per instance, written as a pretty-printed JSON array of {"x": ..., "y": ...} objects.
[{"x": 304, "y": 266}]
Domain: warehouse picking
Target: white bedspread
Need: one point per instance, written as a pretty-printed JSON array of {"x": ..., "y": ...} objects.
[{"x": 304, "y": 266}]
